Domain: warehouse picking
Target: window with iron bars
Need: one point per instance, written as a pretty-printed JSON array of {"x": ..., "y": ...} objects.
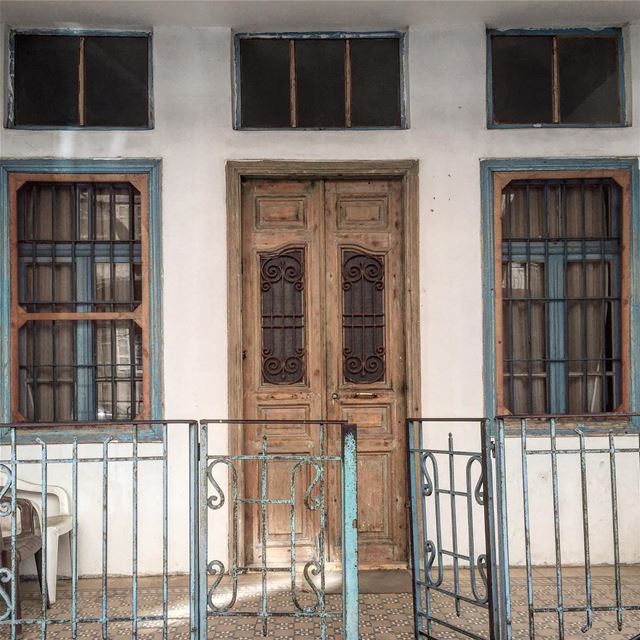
[
  {"x": 79, "y": 300},
  {"x": 561, "y": 291}
]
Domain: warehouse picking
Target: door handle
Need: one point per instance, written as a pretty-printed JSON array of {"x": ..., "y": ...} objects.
[{"x": 334, "y": 396}]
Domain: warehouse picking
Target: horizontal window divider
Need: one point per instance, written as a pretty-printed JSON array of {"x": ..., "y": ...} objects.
[{"x": 26, "y": 316}]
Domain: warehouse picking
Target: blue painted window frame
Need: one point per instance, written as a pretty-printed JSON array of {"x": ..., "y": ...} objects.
[
  {"x": 119, "y": 33},
  {"x": 504, "y": 165},
  {"x": 616, "y": 32},
  {"x": 151, "y": 168},
  {"x": 316, "y": 35}
]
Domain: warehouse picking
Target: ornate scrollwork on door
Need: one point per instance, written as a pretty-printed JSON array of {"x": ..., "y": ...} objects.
[
  {"x": 282, "y": 317},
  {"x": 363, "y": 318}
]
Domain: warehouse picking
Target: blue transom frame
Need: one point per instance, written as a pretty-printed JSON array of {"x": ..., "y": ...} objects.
[
  {"x": 149, "y": 167},
  {"x": 319, "y": 35},
  {"x": 616, "y": 32},
  {"x": 488, "y": 168}
]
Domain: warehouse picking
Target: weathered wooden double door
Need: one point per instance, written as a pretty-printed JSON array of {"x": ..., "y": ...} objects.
[{"x": 323, "y": 310}]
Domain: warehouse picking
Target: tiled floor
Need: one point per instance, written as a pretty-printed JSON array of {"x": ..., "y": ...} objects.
[{"x": 384, "y": 616}]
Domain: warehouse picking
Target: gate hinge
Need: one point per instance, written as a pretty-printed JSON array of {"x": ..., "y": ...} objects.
[{"x": 493, "y": 448}]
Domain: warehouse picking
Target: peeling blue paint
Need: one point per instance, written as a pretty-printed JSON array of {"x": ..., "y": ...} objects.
[
  {"x": 490, "y": 166},
  {"x": 147, "y": 166}
]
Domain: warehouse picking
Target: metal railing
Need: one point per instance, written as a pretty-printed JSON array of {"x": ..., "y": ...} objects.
[
  {"x": 268, "y": 458},
  {"x": 560, "y": 497},
  {"x": 557, "y": 462},
  {"x": 142, "y": 497},
  {"x": 453, "y": 568}
]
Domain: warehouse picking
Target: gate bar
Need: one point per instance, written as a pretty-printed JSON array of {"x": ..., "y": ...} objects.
[{"x": 349, "y": 533}]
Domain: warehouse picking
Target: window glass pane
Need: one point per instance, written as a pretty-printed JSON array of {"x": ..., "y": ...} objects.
[
  {"x": 46, "y": 371},
  {"x": 588, "y": 69},
  {"x": 75, "y": 272},
  {"x": 592, "y": 323},
  {"x": 375, "y": 82},
  {"x": 561, "y": 296},
  {"x": 522, "y": 79},
  {"x": 524, "y": 337},
  {"x": 119, "y": 369},
  {"x": 524, "y": 212},
  {"x": 117, "y": 81},
  {"x": 46, "y": 80},
  {"x": 264, "y": 85},
  {"x": 320, "y": 83}
]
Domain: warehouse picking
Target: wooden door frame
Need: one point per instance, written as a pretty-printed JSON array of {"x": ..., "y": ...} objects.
[{"x": 236, "y": 171}]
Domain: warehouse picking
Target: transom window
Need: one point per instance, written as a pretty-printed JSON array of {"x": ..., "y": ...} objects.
[
  {"x": 80, "y": 80},
  {"x": 561, "y": 288},
  {"x": 319, "y": 81},
  {"x": 566, "y": 78},
  {"x": 79, "y": 307}
]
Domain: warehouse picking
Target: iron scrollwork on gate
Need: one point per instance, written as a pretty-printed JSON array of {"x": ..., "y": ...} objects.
[
  {"x": 6, "y": 510},
  {"x": 282, "y": 317},
  {"x": 451, "y": 573},
  {"x": 307, "y": 492},
  {"x": 363, "y": 317}
]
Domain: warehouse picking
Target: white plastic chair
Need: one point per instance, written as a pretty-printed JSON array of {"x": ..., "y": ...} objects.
[{"x": 58, "y": 523}]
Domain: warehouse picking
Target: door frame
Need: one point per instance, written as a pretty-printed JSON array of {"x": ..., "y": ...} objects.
[{"x": 236, "y": 171}]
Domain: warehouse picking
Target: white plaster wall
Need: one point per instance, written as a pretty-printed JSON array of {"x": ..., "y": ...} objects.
[{"x": 194, "y": 138}]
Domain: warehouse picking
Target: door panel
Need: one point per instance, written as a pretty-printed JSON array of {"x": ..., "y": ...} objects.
[
  {"x": 365, "y": 353},
  {"x": 306, "y": 242},
  {"x": 282, "y": 356}
]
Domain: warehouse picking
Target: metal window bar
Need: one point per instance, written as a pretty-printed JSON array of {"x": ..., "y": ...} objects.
[
  {"x": 587, "y": 448},
  {"x": 439, "y": 547},
  {"x": 556, "y": 254},
  {"x": 218, "y": 602}
]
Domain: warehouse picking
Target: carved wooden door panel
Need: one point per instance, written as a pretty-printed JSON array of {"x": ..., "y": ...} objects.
[
  {"x": 283, "y": 358},
  {"x": 365, "y": 353},
  {"x": 323, "y": 309}
]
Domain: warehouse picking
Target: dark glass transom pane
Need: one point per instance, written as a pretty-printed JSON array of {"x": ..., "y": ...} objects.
[
  {"x": 363, "y": 317},
  {"x": 561, "y": 296},
  {"x": 117, "y": 81},
  {"x": 589, "y": 82},
  {"x": 375, "y": 82},
  {"x": 265, "y": 96},
  {"x": 522, "y": 79},
  {"x": 320, "y": 83},
  {"x": 79, "y": 247},
  {"x": 282, "y": 316},
  {"x": 46, "y": 80}
]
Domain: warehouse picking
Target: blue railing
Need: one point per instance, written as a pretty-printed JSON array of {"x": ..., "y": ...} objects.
[{"x": 141, "y": 498}]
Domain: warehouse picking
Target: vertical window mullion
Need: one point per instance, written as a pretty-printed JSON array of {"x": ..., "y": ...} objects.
[
  {"x": 555, "y": 75},
  {"x": 556, "y": 334},
  {"x": 81, "y": 84},
  {"x": 293, "y": 84},
  {"x": 347, "y": 83}
]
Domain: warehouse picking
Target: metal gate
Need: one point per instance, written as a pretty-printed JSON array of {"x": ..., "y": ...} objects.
[
  {"x": 133, "y": 503},
  {"x": 453, "y": 529},
  {"x": 572, "y": 487},
  {"x": 287, "y": 600}
]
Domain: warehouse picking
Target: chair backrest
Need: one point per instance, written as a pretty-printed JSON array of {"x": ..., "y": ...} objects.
[{"x": 33, "y": 491}]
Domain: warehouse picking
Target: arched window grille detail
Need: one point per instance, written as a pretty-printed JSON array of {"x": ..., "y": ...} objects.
[
  {"x": 363, "y": 320},
  {"x": 283, "y": 321}
]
